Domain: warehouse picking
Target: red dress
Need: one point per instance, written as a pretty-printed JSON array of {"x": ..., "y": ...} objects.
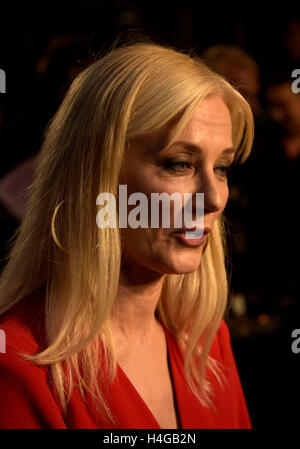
[{"x": 27, "y": 400}]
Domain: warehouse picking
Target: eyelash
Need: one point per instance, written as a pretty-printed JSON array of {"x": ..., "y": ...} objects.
[
  {"x": 170, "y": 164},
  {"x": 227, "y": 169}
]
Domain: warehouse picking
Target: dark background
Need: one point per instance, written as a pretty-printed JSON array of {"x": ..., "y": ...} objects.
[{"x": 261, "y": 338}]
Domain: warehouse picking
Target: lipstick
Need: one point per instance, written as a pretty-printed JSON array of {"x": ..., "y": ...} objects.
[{"x": 181, "y": 235}]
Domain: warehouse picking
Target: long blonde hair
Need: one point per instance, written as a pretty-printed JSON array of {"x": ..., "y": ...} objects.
[{"x": 131, "y": 91}]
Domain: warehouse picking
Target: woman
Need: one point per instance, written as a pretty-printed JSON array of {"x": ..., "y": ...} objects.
[{"x": 122, "y": 327}]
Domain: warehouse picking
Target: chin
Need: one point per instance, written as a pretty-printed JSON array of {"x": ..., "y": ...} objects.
[{"x": 184, "y": 264}]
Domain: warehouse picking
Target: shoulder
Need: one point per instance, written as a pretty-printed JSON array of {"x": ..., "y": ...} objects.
[
  {"x": 220, "y": 346},
  {"x": 21, "y": 333},
  {"x": 222, "y": 338},
  {"x": 24, "y": 385},
  {"x": 22, "y": 326}
]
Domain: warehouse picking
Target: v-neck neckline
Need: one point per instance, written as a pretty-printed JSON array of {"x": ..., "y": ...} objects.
[{"x": 173, "y": 381}]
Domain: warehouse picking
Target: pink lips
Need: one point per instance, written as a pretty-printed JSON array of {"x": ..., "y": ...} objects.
[
  {"x": 206, "y": 230},
  {"x": 181, "y": 236}
]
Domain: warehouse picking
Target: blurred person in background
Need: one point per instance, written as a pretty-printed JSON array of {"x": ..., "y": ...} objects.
[
  {"x": 284, "y": 108},
  {"x": 263, "y": 217},
  {"x": 247, "y": 187},
  {"x": 291, "y": 42},
  {"x": 63, "y": 57},
  {"x": 239, "y": 68}
]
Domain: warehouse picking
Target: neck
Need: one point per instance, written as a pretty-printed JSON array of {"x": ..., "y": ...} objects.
[{"x": 133, "y": 317}]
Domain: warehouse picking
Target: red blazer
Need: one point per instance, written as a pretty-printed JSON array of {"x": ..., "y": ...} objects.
[{"x": 27, "y": 400}]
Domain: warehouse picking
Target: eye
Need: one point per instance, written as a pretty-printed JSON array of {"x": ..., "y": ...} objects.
[
  {"x": 177, "y": 165},
  {"x": 224, "y": 170}
]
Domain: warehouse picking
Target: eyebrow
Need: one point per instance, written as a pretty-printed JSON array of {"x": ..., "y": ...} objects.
[{"x": 195, "y": 148}]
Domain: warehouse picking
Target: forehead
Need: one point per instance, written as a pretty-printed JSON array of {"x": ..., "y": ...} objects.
[
  {"x": 210, "y": 113},
  {"x": 210, "y": 122},
  {"x": 210, "y": 118}
]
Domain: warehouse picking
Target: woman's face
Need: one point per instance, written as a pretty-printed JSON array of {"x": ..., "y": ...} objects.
[{"x": 196, "y": 162}]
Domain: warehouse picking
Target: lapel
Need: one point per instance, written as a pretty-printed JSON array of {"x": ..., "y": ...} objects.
[{"x": 192, "y": 414}]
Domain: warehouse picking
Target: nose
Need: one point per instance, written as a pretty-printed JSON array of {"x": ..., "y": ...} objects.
[{"x": 210, "y": 186}]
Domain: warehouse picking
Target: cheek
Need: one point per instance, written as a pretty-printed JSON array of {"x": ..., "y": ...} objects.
[
  {"x": 138, "y": 184},
  {"x": 139, "y": 239},
  {"x": 133, "y": 245},
  {"x": 145, "y": 247},
  {"x": 139, "y": 177},
  {"x": 224, "y": 194}
]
